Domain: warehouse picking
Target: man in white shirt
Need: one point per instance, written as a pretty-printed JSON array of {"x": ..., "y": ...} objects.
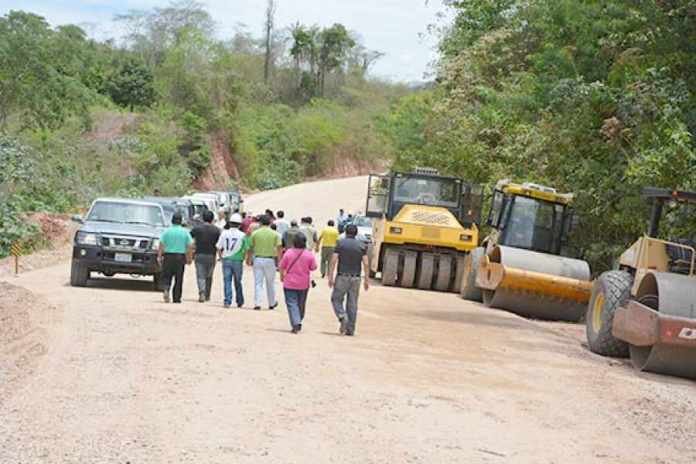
[
  {"x": 232, "y": 246},
  {"x": 222, "y": 220},
  {"x": 309, "y": 231},
  {"x": 281, "y": 224}
]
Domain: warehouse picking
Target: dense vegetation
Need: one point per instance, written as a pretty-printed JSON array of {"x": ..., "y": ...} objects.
[
  {"x": 598, "y": 98},
  {"x": 81, "y": 118}
]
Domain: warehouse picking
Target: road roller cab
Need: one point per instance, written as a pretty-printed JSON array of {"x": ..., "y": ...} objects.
[
  {"x": 424, "y": 225},
  {"x": 520, "y": 266},
  {"x": 646, "y": 309}
]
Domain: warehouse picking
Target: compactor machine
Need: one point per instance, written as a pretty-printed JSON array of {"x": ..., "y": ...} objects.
[
  {"x": 424, "y": 226},
  {"x": 646, "y": 309},
  {"x": 519, "y": 266}
]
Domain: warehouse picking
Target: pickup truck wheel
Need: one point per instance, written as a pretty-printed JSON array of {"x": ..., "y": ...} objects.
[{"x": 79, "y": 274}]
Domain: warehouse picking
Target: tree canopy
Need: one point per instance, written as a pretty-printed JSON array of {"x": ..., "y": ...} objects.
[{"x": 598, "y": 98}]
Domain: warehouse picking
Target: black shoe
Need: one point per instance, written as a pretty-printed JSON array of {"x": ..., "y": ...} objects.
[
  {"x": 201, "y": 297},
  {"x": 350, "y": 334},
  {"x": 257, "y": 308},
  {"x": 239, "y": 305},
  {"x": 343, "y": 329},
  {"x": 299, "y": 327},
  {"x": 295, "y": 330},
  {"x": 273, "y": 307},
  {"x": 226, "y": 306}
]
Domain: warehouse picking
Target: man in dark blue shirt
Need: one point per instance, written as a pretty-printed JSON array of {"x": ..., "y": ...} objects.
[{"x": 350, "y": 256}]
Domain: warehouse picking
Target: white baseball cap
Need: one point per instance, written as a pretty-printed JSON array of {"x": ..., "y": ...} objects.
[{"x": 236, "y": 218}]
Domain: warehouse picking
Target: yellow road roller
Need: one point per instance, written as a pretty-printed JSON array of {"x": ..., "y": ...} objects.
[
  {"x": 519, "y": 266},
  {"x": 646, "y": 309},
  {"x": 424, "y": 225}
]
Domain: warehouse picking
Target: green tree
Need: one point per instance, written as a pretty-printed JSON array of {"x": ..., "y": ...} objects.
[
  {"x": 132, "y": 85},
  {"x": 40, "y": 71}
]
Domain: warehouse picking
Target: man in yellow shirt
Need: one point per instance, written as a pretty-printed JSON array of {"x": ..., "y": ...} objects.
[{"x": 327, "y": 239}]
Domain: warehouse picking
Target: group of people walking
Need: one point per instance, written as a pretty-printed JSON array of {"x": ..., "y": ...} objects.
[{"x": 269, "y": 244}]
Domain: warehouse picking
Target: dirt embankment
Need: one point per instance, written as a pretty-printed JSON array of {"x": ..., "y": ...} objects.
[
  {"x": 56, "y": 234},
  {"x": 350, "y": 167},
  {"x": 222, "y": 168},
  {"x": 24, "y": 335}
]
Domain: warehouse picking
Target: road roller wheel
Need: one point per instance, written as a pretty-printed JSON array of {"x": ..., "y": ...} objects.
[
  {"x": 408, "y": 276},
  {"x": 390, "y": 269},
  {"x": 487, "y": 297},
  {"x": 459, "y": 272},
  {"x": 469, "y": 290},
  {"x": 444, "y": 274},
  {"x": 427, "y": 268},
  {"x": 610, "y": 291}
]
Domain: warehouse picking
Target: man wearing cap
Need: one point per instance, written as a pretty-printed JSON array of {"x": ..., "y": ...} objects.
[
  {"x": 232, "y": 246},
  {"x": 265, "y": 249},
  {"x": 175, "y": 252}
]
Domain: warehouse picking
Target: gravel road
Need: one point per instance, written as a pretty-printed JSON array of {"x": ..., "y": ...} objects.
[{"x": 120, "y": 377}]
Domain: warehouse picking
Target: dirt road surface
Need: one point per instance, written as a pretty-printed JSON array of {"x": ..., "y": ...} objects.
[{"x": 110, "y": 374}]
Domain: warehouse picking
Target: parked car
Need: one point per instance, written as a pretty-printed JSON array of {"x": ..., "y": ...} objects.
[
  {"x": 211, "y": 200},
  {"x": 118, "y": 236},
  {"x": 199, "y": 207},
  {"x": 223, "y": 200},
  {"x": 236, "y": 201},
  {"x": 172, "y": 205},
  {"x": 364, "y": 225}
]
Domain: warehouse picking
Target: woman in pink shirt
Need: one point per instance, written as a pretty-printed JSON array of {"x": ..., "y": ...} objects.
[{"x": 296, "y": 274}]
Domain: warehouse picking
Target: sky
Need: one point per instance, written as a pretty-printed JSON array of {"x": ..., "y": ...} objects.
[{"x": 398, "y": 28}]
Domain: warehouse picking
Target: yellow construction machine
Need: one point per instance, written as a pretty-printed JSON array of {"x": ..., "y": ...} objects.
[
  {"x": 646, "y": 309},
  {"x": 424, "y": 226},
  {"x": 519, "y": 266}
]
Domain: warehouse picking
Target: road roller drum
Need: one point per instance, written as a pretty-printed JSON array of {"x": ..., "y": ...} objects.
[
  {"x": 660, "y": 325},
  {"x": 535, "y": 284}
]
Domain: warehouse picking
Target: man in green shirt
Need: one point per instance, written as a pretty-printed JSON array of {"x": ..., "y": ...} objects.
[
  {"x": 232, "y": 246},
  {"x": 175, "y": 252},
  {"x": 265, "y": 249}
]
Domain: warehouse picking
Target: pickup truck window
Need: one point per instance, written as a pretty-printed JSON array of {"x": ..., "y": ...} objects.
[{"x": 127, "y": 213}]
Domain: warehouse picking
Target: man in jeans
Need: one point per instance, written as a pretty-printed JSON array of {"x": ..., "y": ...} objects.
[
  {"x": 265, "y": 249},
  {"x": 350, "y": 254},
  {"x": 233, "y": 245},
  {"x": 175, "y": 252},
  {"x": 206, "y": 237}
]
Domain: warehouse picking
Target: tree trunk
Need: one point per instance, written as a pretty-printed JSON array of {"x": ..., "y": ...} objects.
[{"x": 270, "y": 16}]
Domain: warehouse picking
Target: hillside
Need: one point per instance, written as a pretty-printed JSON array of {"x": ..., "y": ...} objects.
[{"x": 172, "y": 108}]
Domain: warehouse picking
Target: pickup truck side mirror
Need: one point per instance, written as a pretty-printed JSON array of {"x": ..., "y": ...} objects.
[{"x": 77, "y": 218}]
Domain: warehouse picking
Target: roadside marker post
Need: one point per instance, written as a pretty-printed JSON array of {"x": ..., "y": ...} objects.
[{"x": 16, "y": 250}]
